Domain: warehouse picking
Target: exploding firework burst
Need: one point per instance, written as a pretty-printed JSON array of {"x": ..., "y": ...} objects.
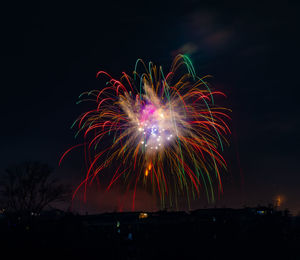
[{"x": 165, "y": 132}]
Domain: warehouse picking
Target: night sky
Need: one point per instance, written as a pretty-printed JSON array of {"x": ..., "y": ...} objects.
[{"x": 51, "y": 52}]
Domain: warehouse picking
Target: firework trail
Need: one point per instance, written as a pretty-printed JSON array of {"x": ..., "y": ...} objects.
[{"x": 165, "y": 132}]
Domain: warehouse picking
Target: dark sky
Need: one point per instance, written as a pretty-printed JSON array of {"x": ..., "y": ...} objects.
[{"x": 51, "y": 52}]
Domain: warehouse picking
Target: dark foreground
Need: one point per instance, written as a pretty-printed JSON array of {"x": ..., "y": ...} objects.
[{"x": 250, "y": 233}]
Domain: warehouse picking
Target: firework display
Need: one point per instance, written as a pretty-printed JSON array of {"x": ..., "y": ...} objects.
[{"x": 159, "y": 132}]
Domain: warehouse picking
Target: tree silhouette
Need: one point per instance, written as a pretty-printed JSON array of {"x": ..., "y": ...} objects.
[{"x": 29, "y": 188}]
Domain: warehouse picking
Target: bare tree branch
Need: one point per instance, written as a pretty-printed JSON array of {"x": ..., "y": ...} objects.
[{"x": 28, "y": 188}]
